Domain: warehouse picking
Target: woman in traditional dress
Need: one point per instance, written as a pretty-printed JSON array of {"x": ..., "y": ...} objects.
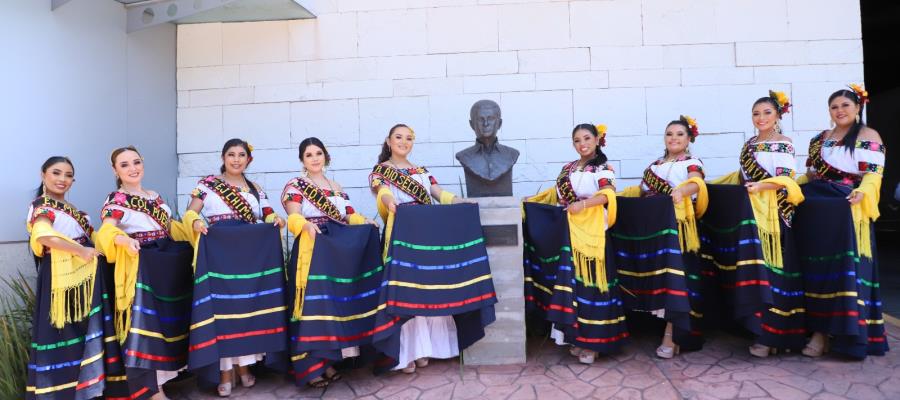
[
  {"x": 846, "y": 164},
  {"x": 311, "y": 201},
  {"x": 230, "y": 199},
  {"x": 587, "y": 292},
  {"x": 152, "y": 276},
  {"x": 69, "y": 306},
  {"x": 421, "y": 338},
  {"x": 767, "y": 171},
  {"x": 678, "y": 175}
]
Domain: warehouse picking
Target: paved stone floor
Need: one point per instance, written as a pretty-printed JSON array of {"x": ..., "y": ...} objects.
[{"x": 722, "y": 370}]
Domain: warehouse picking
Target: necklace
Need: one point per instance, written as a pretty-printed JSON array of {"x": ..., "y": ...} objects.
[
  {"x": 328, "y": 182},
  {"x": 239, "y": 185},
  {"x": 393, "y": 164},
  {"x": 140, "y": 193}
]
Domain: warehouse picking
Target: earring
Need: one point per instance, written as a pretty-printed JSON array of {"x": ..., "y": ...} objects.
[
  {"x": 833, "y": 124},
  {"x": 857, "y": 118},
  {"x": 305, "y": 172},
  {"x": 778, "y": 128}
]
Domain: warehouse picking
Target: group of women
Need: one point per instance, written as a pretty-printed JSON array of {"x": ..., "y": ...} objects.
[
  {"x": 788, "y": 255},
  {"x": 121, "y": 310}
]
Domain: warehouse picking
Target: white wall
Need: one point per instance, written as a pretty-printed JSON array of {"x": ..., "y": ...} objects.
[
  {"x": 76, "y": 84},
  {"x": 363, "y": 65}
]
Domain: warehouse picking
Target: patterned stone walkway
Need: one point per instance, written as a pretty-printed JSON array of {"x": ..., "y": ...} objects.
[{"x": 722, "y": 370}]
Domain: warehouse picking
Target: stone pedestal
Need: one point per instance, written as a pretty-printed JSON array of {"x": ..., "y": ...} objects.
[{"x": 504, "y": 341}]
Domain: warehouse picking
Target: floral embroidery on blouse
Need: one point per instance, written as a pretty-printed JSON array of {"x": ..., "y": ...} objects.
[
  {"x": 866, "y": 167},
  {"x": 782, "y": 171},
  {"x": 198, "y": 194},
  {"x": 43, "y": 212},
  {"x": 773, "y": 147},
  {"x": 113, "y": 213},
  {"x": 695, "y": 168}
]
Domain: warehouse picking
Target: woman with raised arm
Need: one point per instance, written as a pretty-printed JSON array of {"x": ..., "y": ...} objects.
[{"x": 151, "y": 278}]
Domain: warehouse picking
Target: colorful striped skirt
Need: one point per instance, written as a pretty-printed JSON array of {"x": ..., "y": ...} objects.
[
  {"x": 437, "y": 265},
  {"x": 732, "y": 254},
  {"x": 649, "y": 260},
  {"x": 341, "y": 299},
  {"x": 588, "y": 317},
  {"x": 68, "y": 363},
  {"x": 766, "y": 300},
  {"x": 841, "y": 288},
  {"x": 160, "y": 319},
  {"x": 238, "y": 303}
]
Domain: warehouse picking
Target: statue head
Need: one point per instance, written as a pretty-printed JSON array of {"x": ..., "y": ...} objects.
[{"x": 484, "y": 118}]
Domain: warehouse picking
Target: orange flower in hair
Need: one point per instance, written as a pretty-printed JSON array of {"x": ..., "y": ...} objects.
[
  {"x": 693, "y": 130},
  {"x": 860, "y": 92},
  {"x": 601, "y": 134},
  {"x": 782, "y": 100}
]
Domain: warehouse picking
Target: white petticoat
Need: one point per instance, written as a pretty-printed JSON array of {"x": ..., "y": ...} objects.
[
  {"x": 225, "y": 364},
  {"x": 433, "y": 337}
]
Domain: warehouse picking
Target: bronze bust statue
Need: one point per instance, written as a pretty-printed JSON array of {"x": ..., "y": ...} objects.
[{"x": 488, "y": 164}]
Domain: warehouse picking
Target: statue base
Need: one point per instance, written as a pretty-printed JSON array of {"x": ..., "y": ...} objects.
[
  {"x": 504, "y": 340},
  {"x": 477, "y": 186}
]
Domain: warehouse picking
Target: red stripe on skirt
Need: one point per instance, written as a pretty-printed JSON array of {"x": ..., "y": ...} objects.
[
  {"x": 441, "y": 305},
  {"x": 797, "y": 331},
  {"x": 751, "y": 282},
  {"x": 153, "y": 357},
  {"x": 550, "y": 307},
  {"x": 834, "y": 314},
  {"x": 348, "y": 338},
  {"x": 618, "y": 337},
  {"x": 236, "y": 336},
  {"x": 90, "y": 382},
  {"x": 318, "y": 365},
  {"x": 135, "y": 395}
]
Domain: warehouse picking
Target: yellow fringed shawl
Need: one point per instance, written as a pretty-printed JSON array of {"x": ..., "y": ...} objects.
[
  {"x": 125, "y": 275},
  {"x": 185, "y": 230},
  {"x": 71, "y": 278},
  {"x": 687, "y": 214},
  {"x": 765, "y": 212},
  {"x": 295, "y": 225},
  {"x": 587, "y": 232},
  {"x": 865, "y": 212}
]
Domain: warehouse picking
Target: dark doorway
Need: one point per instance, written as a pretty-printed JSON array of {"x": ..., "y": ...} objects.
[{"x": 880, "y": 22}]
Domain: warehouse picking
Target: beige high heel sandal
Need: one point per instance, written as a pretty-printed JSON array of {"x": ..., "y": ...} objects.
[
  {"x": 762, "y": 351},
  {"x": 667, "y": 352},
  {"x": 224, "y": 389},
  {"x": 813, "y": 351},
  {"x": 587, "y": 356}
]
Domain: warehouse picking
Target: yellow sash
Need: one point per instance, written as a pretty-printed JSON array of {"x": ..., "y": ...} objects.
[
  {"x": 71, "y": 278},
  {"x": 687, "y": 214},
  {"x": 295, "y": 225},
  {"x": 765, "y": 212},
  {"x": 587, "y": 232},
  {"x": 125, "y": 275},
  {"x": 866, "y": 211},
  {"x": 184, "y": 232}
]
